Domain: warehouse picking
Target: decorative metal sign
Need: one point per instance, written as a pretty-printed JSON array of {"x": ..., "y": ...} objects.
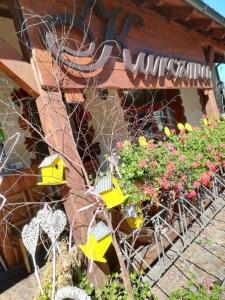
[{"x": 147, "y": 64}]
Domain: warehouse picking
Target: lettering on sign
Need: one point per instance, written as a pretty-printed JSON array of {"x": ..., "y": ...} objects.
[{"x": 147, "y": 64}]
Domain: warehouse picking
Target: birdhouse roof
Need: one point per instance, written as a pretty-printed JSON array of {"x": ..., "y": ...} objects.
[
  {"x": 48, "y": 161},
  {"x": 100, "y": 231},
  {"x": 104, "y": 184}
]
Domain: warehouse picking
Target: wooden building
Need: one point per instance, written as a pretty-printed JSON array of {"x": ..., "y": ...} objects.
[{"x": 112, "y": 62}]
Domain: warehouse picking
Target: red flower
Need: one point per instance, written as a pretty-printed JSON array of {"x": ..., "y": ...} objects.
[
  {"x": 182, "y": 139},
  {"x": 191, "y": 194}
]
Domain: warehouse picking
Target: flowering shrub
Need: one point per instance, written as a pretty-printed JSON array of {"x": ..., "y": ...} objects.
[{"x": 181, "y": 163}]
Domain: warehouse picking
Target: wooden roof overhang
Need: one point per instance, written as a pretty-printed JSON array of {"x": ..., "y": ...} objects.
[
  {"x": 174, "y": 28},
  {"x": 195, "y": 15}
]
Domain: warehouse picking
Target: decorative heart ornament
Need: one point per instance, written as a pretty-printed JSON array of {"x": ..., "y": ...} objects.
[
  {"x": 71, "y": 292},
  {"x": 53, "y": 223},
  {"x": 30, "y": 234}
]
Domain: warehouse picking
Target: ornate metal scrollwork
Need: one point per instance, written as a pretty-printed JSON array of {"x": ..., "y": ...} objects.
[{"x": 111, "y": 37}]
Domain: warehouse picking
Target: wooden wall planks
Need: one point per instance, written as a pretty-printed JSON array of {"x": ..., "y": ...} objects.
[{"x": 157, "y": 36}]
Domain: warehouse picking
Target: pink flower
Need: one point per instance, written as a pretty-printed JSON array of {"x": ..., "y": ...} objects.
[
  {"x": 119, "y": 145},
  {"x": 191, "y": 194},
  {"x": 180, "y": 187},
  {"x": 150, "y": 191},
  {"x": 150, "y": 146},
  {"x": 182, "y": 157},
  {"x": 142, "y": 163},
  {"x": 210, "y": 147},
  {"x": 197, "y": 184},
  {"x": 199, "y": 157},
  {"x": 195, "y": 164},
  {"x": 171, "y": 166},
  {"x": 222, "y": 145},
  {"x": 164, "y": 183},
  {"x": 211, "y": 166},
  {"x": 208, "y": 285},
  {"x": 205, "y": 178},
  {"x": 171, "y": 148}
]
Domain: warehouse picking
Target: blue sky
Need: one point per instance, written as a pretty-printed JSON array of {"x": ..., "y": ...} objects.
[{"x": 219, "y": 6}]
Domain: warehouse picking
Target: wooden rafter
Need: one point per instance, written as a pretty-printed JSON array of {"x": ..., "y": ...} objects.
[
  {"x": 13, "y": 65},
  {"x": 5, "y": 13},
  {"x": 199, "y": 24},
  {"x": 218, "y": 33},
  {"x": 147, "y": 3}
]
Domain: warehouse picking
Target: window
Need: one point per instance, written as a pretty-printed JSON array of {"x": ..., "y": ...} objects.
[{"x": 148, "y": 112}]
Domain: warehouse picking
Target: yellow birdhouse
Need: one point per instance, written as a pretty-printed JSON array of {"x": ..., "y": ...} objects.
[
  {"x": 99, "y": 240},
  {"x": 109, "y": 190},
  {"x": 52, "y": 170},
  {"x": 135, "y": 218}
]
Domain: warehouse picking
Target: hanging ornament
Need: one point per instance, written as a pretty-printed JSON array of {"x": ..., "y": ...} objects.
[
  {"x": 99, "y": 240},
  {"x": 30, "y": 235},
  {"x": 52, "y": 170},
  {"x": 134, "y": 216},
  {"x": 109, "y": 190},
  {"x": 53, "y": 223}
]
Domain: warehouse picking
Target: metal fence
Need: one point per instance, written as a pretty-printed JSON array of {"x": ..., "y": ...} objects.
[{"x": 172, "y": 230}]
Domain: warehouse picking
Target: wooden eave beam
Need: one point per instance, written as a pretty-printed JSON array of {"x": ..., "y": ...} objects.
[
  {"x": 13, "y": 65},
  {"x": 173, "y": 13}
]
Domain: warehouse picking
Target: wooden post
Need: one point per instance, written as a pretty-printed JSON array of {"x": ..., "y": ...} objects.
[
  {"x": 210, "y": 104},
  {"x": 59, "y": 136}
]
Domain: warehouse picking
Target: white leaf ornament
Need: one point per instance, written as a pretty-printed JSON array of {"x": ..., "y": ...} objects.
[
  {"x": 30, "y": 234},
  {"x": 53, "y": 223},
  {"x": 69, "y": 292}
]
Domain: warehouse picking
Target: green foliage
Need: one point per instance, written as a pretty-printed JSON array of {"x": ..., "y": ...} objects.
[
  {"x": 206, "y": 291},
  {"x": 181, "y": 163},
  {"x": 46, "y": 290},
  {"x": 114, "y": 288},
  {"x": 81, "y": 280}
]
